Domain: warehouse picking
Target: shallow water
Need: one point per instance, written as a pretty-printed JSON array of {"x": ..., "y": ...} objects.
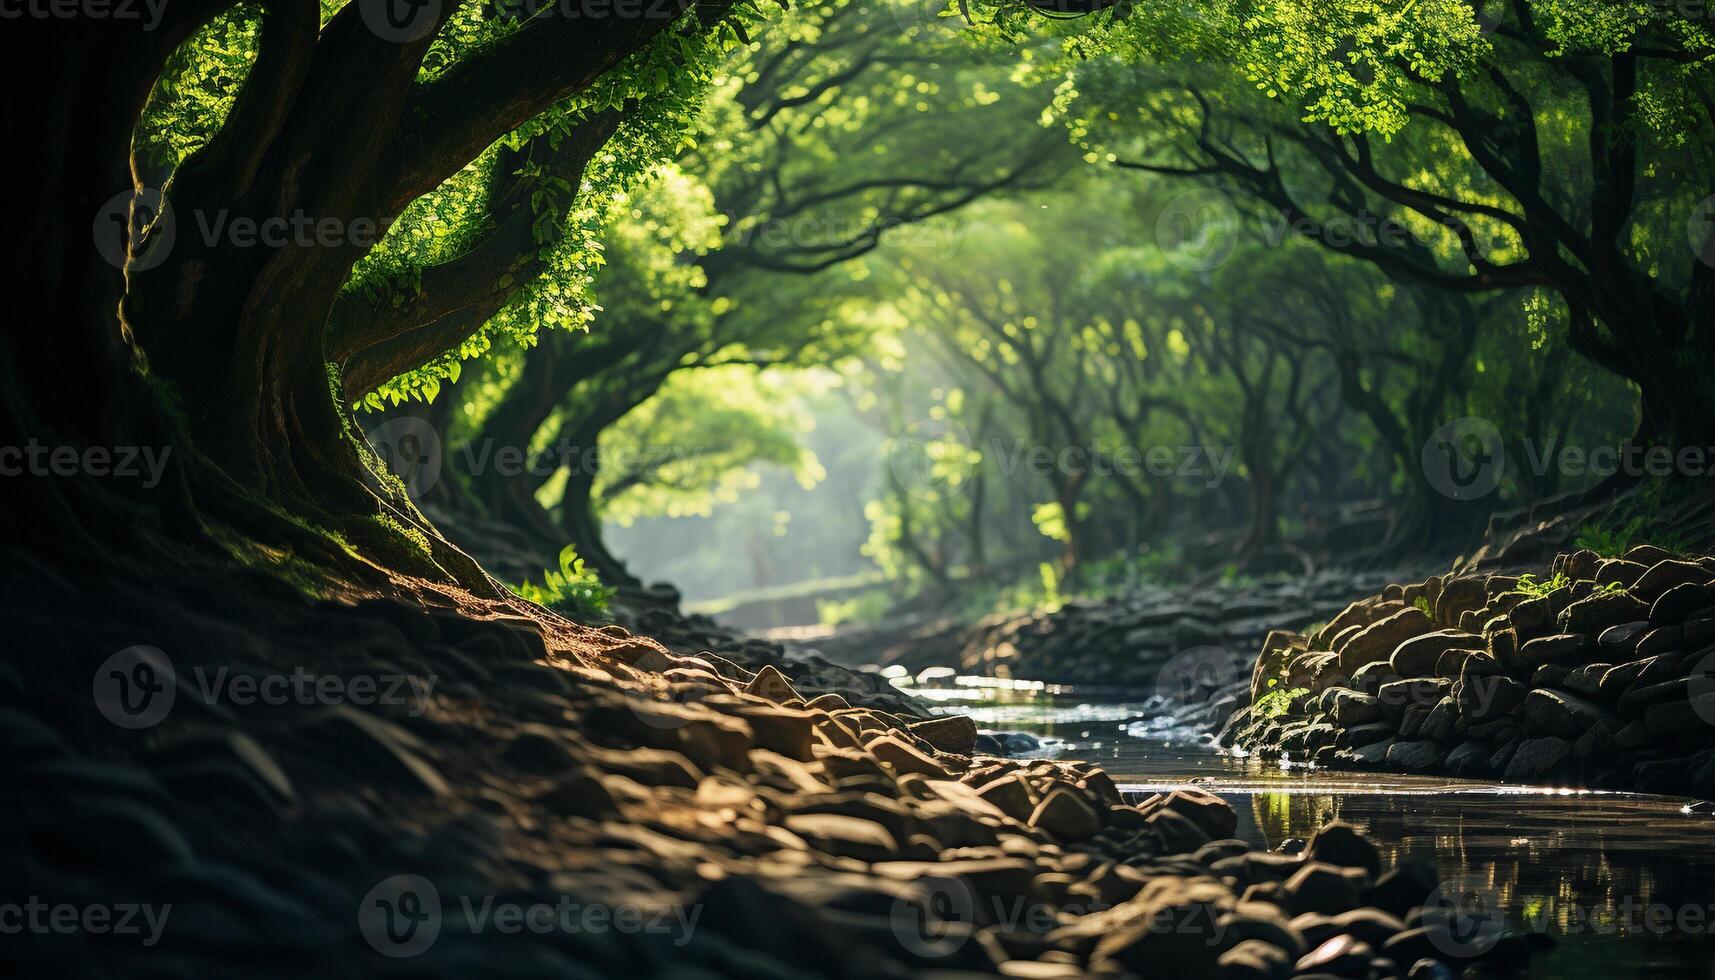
[{"x": 1624, "y": 883}]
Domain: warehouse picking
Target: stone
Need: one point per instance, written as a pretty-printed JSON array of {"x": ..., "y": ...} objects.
[
  {"x": 539, "y": 748},
  {"x": 1170, "y": 928},
  {"x": 1418, "y": 656},
  {"x": 1619, "y": 641},
  {"x": 1537, "y": 758},
  {"x": 952, "y": 733},
  {"x": 1340, "y": 844},
  {"x": 1011, "y": 795},
  {"x": 1318, "y": 887},
  {"x": 1531, "y": 619},
  {"x": 1670, "y": 718},
  {"x": 1483, "y": 699},
  {"x": 1469, "y": 758},
  {"x": 903, "y": 758},
  {"x": 1349, "y": 707},
  {"x": 1559, "y": 648},
  {"x": 1396, "y": 696},
  {"x": 1209, "y": 812},
  {"x": 788, "y": 731},
  {"x": 1595, "y": 613},
  {"x": 1438, "y": 724},
  {"x": 1341, "y": 956},
  {"x": 579, "y": 793},
  {"x": 770, "y": 683},
  {"x": 1254, "y": 959},
  {"x": 1558, "y": 713},
  {"x": 380, "y": 747},
  {"x": 1415, "y": 756},
  {"x": 1377, "y": 642},
  {"x": 1668, "y": 574},
  {"x": 1459, "y": 596},
  {"x": 1619, "y": 571},
  {"x": 845, "y": 836},
  {"x": 1066, "y": 814},
  {"x": 1680, "y": 603}
]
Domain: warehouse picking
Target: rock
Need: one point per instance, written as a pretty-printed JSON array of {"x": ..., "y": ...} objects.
[
  {"x": 1459, "y": 596},
  {"x": 1531, "y": 619},
  {"x": 1254, "y": 959},
  {"x": 1320, "y": 888},
  {"x": 1377, "y": 642},
  {"x": 952, "y": 733},
  {"x": 1597, "y": 612},
  {"x": 770, "y": 683},
  {"x": 845, "y": 836},
  {"x": 1671, "y": 718},
  {"x": 1482, "y": 699},
  {"x": 379, "y": 748},
  {"x": 1438, "y": 725},
  {"x": 1395, "y": 696},
  {"x": 1011, "y": 795},
  {"x": 1418, "y": 656},
  {"x": 1341, "y": 956},
  {"x": 539, "y": 748},
  {"x": 1618, "y": 641},
  {"x": 1415, "y": 756},
  {"x": 1066, "y": 814},
  {"x": 1668, "y": 574},
  {"x": 1536, "y": 758},
  {"x": 1209, "y": 812},
  {"x": 1169, "y": 928},
  {"x": 788, "y": 731},
  {"x": 1469, "y": 758},
  {"x": 1619, "y": 571},
  {"x": 1340, "y": 844},
  {"x": 1680, "y": 603},
  {"x": 1560, "y": 648},
  {"x": 105, "y": 836},
  {"x": 1350, "y": 707},
  {"x": 903, "y": 758},
  {"x": 1558, "y": 713},
  {"x": 579, "y": 793}
]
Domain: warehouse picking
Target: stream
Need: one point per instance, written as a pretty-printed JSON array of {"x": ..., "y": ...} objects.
[{"x": 1621, "y": 881}]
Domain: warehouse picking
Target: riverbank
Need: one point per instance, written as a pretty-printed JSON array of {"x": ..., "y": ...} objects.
[
  {"x": 1621, "y": 882},
  {"x": 288, "y": 787},
  {"x": 1591, "y": 672}
]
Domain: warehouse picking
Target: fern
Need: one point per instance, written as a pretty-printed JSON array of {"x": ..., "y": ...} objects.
[{"x": 573, "y": 591}]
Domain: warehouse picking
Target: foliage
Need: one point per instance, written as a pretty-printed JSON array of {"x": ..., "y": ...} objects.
[
  {"x": 1276, "y": 703},
  {"x": 572, "y": 590}
]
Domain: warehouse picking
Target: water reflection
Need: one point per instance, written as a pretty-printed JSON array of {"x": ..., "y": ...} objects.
[{"x": 1625, "y": 883}]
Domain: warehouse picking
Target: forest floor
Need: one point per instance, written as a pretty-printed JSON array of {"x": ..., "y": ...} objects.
[{"x": 218, "y": 780}]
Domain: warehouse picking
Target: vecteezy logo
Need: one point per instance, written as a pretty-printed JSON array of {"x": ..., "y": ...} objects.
[
  {"x": 401, "y": 916},
  {"x": 1465, "y": 459},
  {"x": 1193, "y": 673},
  {"x": 143, "y": 216},
  {"x": 1463, "y": 917},
  {"x": 1197, "y": 230},
  {"x": 929, "y": 458},
  {"x": 400, "y": 20},
  {"x": 135, "y": 687},
  {"x": 935, "y": 919},
  {"x": 1701, "y": 229},
  {"x": 411, "y": 449}
]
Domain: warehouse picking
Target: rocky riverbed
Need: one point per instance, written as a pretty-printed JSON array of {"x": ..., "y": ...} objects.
[
  {"x": 236, "y": 782},
  {"x": 1592, "y": 672},
  {"x": 1129, "y": 640}
]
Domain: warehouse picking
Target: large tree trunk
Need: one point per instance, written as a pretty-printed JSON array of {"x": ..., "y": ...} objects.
[{"x": 214, "y": 350}]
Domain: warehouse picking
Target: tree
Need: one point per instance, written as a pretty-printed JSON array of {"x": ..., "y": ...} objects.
[
  {"x": 220, "y": 348},
  {"x": 1549, "y": 144}
]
